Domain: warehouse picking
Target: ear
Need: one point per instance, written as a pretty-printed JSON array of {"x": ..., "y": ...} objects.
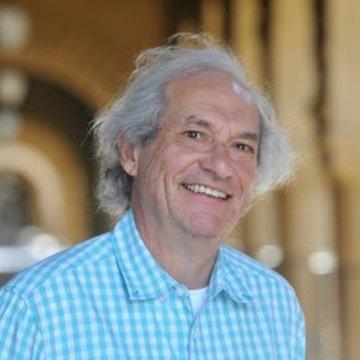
[{"x": 128, "y": 156}]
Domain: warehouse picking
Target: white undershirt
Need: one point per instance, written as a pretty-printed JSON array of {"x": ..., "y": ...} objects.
[{"x": 197, "y": 298}]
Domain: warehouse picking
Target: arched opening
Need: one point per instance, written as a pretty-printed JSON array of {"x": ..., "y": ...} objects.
[{"x": 47, "y": 174}]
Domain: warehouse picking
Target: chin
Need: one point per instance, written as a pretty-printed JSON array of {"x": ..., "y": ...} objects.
[{"x": 203, "y": 227}]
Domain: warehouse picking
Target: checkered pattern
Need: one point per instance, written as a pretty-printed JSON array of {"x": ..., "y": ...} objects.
[{"x": 108, "y": 298}]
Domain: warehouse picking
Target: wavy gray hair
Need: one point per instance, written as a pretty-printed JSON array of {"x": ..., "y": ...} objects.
[{"x": 134, "y": 115}]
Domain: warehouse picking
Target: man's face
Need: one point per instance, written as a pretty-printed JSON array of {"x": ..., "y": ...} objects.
[{"x": 195, "y": 177}]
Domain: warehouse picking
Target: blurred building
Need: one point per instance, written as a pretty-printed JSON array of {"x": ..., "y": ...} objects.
[{"x": 60, "y": 62}]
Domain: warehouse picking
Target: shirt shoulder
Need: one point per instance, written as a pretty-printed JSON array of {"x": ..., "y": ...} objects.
[
  {"x": 76, "y": 258},
  {"x": 255, "y": 274},
  {"x": 272, "y": 298}
]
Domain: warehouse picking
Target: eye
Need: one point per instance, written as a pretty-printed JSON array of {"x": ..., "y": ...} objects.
[
  {"x": 193, "y": 134},
  {"x": 245, "y": 148}
]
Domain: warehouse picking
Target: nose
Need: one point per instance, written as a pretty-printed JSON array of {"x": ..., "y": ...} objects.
[{"x": 218, "y": 161}]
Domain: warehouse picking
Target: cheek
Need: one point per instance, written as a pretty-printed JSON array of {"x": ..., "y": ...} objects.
[
  {"x": 178, "y": 157},
  {"x": 149, "y": 173},
  {"x": 158, "y": 166},
  {"x": 246, "y": 172}
]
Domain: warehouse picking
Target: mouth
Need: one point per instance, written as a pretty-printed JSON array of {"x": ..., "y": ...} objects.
[{"x": 207, "y": 190}]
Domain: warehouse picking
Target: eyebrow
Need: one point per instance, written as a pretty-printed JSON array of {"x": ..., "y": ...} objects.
[
  {"x": 248, "y": 135},
  {"x": 196, "y": 121}
]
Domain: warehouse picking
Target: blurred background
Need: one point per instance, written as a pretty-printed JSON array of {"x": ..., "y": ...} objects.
[{"x": 61, "y": 61}]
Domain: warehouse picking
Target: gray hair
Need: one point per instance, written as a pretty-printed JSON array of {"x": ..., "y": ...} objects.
[{"x": 134, "y": 115}]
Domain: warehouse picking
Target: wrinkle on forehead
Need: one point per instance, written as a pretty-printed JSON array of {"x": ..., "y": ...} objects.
[
  {"x": 202, "y": 77},
  {"x": 209, "y": 94}
]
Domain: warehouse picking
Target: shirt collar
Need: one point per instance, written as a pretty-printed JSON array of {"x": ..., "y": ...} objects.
[
  {"x": 146, "y": 279},
  {"x": 230, "y": 277}
]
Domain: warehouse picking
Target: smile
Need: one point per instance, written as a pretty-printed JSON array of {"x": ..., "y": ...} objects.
[{"x": 202, "y": 189}]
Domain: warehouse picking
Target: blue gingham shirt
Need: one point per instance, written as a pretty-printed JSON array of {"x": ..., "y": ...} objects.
[{"x": 108, "y": 298}]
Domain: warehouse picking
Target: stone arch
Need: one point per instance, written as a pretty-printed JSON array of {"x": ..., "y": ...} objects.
[
  {"x": 85, "y": 47},
  {"x": 57, "y": 180}
]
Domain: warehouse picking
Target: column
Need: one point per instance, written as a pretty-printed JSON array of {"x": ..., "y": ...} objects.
[
  {"x": 262, "y": 232},
  {"x": 343, "y": 128},
  {"x": 213, "y": 17},
  {"x": 309, "y": 214}
]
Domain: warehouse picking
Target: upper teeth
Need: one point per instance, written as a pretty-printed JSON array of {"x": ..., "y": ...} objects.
[{"x": 206, "y": 190}]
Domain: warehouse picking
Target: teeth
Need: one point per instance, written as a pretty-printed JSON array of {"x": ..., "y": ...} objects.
[{"x": 206, "y": 190}]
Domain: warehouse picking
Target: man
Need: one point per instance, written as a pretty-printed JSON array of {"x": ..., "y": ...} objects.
[{"x": 185, "y": 150}]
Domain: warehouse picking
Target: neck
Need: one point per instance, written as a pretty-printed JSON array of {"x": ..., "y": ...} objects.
[{"x": 186, "y": 258}]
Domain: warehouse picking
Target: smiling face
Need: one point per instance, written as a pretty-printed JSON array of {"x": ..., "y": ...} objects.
[{"x": 196, "y": 176}]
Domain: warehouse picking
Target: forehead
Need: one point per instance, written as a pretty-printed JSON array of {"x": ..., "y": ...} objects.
[{"x": 212, "y": 94}]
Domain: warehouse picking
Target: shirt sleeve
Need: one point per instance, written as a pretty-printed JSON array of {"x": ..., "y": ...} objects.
[
  {"x": 300, "y": 349},
  {"x": 19, "y": 334},
  {"x": 298, "y": 331}
]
